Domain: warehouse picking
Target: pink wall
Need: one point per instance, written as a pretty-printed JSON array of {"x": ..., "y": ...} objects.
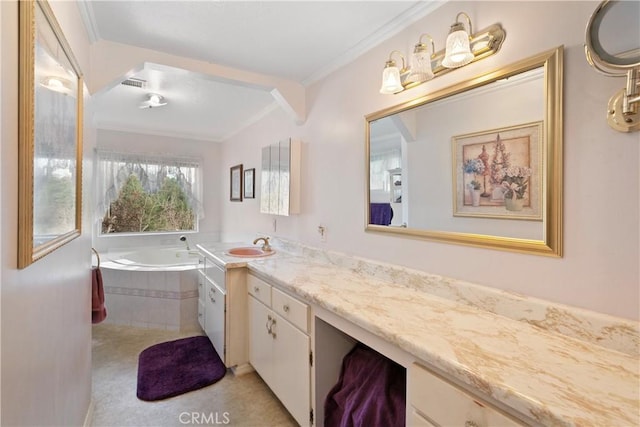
[
  {"x": 46, "y": 323},
  {"x": 599, "y": 270}
]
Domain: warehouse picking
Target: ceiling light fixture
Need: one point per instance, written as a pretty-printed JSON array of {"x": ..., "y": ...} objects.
[
  {"x": 462, "y": 48},
  {"x": 154, "y": 100},
  {"x": 57, "y": 84}
]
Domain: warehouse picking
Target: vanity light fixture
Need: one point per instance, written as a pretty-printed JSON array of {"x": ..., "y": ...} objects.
[
  {"x": 421, "y": 62},
  {"x": 462, "y": 48},
  {"x": 391, "y": 80},
  {"x": 458, "y": 50}
]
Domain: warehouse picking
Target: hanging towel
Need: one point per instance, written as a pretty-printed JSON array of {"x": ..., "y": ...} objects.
[
  {"x": 381, "y": 213},
  {"x": 371, "y": 391},
  {"x": 98, "y": 310}
]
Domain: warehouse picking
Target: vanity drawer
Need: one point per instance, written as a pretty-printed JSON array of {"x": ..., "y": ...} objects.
[
  {"x": 291, "y": 309},
  {"x": 259, "y": 289},
  {"x": 446, "y": 404},
  {"x": 215, "y": 273}
]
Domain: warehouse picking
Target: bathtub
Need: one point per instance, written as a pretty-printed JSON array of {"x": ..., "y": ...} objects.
[
  {"x": 152, "y": 259},
  {"x": 152, "y": 288}
]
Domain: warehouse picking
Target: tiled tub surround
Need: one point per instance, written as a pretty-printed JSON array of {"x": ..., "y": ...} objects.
[
  {"x": 151, "y": 299},
  {"x": 543, "y": 361}
]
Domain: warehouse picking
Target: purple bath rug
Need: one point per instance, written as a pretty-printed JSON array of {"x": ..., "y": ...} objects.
[{"x": 176, "y": 367}]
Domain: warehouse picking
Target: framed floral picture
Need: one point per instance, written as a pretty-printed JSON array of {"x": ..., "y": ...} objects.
[
  {"x": 249, "y": 183},
  {"x": 497, "y": 173},
  {"x": 236, "y": 184}
]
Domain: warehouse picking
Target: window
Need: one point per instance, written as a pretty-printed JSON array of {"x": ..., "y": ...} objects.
[
  {"x": 380, "y": 165},
  {"x": 139, "y": 193}
]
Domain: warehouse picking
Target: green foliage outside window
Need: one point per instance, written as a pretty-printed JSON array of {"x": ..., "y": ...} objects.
[{"x": 136, "y": 210}]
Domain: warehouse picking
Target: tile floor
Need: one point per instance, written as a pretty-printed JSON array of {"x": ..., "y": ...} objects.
[{"x": 233, "y": 401}]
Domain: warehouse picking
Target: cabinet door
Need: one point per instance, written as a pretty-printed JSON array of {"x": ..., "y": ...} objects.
[
  {"x": 261, "y": 340},
  {"x": 214, "y": 318},
  {"x": 291, "y": 368},
  {"x": 201, "y": 313},
  {"x": 202, "y": 296}
]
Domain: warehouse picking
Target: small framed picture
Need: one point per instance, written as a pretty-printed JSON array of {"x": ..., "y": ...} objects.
[
  {"x": 249, "y": 183},
  {"x": 236, "y": 184}
]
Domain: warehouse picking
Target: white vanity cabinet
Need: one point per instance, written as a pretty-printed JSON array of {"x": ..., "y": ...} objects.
[
  {"x": 222, "y": 311},
  {"x": 280, "y": 347},
  {"x": 435, "y": 401}
]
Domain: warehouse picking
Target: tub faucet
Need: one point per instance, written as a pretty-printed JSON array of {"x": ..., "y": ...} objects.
[
  {"x": 183, "y": 238},
  {"x": 266, "y": 246}
]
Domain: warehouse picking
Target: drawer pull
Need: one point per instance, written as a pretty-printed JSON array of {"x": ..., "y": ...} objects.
[
  {"x": 471, "y": 424},
  {"x": 285, "y": 308},
  {"x": 256, "y": 289}
]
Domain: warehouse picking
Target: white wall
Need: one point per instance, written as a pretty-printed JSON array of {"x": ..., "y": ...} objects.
[
  {"x": 46, "y": 320},
  {"x": 209, "y": 152},
  {"x": 599, "y": 270}
]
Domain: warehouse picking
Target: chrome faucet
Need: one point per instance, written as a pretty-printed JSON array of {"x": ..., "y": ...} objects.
[
  {"x": 183, "y": 238},
  {"x": 266, "y": 247}
]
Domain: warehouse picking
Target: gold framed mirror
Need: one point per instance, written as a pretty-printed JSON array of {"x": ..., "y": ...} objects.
[
  {"x": 478, "y": 163},
  {"x": 50, "y": 136}
]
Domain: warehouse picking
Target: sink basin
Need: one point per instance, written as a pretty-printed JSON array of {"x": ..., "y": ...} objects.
[{"x": 249, "y": 252}]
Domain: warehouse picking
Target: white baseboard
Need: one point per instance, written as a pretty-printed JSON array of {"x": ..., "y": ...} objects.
[{"x": 243, "y": 369}]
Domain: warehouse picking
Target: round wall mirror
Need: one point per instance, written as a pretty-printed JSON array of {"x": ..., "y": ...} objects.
[
  {"x": 613, "y": 48},
  {"x": 613, "y": 34}
]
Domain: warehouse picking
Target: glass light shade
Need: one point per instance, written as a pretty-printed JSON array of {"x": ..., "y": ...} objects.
[
  {"x": 420, "y": 67},
  {"x": 391, "y": 81},
  {"x": 56, "y": 84},
  {"x": 458, "y": 51}
]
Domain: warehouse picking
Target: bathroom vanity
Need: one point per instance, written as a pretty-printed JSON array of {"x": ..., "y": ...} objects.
[
  {"x": 279, "y": 345},
  {"x": 464, "y": 364}
]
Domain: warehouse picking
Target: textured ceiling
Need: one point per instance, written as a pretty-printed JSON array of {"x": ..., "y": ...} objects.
[{"x": 301, "y": 41}]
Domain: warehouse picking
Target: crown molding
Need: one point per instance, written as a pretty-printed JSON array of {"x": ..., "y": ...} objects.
[
  {"x": 395, "y": 26},
  {"x": 88, "y": 19}
]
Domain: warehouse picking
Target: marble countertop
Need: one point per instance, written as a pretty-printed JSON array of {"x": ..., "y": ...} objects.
[{"x": 552, "y": 378}]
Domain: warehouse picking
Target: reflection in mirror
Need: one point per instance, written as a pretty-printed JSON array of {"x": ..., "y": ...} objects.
[
  {"x": 50, "y": 136},
  {"x": 478, "y": 163}
]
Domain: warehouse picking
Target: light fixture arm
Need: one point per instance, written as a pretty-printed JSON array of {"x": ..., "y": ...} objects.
[
  {"x": 631, "y": 95},
  {"x": 468, "y": 21},
  {"x": 423, "y": 46},
  {"x": 391, "y": 63}
]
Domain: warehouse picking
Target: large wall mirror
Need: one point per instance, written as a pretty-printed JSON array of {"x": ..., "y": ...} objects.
[
  {"x": 50, "y": 136},
  {"x": 478, "y": 163}
]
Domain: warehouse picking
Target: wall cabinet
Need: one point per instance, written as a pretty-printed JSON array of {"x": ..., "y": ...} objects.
[
  {"x": 222, "y": 311},
  {"x": 279, "y": 346},
  {"x": 280, "y": 178}
]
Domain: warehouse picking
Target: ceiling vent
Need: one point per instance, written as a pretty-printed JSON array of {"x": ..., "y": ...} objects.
[{"x": 135, "y": 83}]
